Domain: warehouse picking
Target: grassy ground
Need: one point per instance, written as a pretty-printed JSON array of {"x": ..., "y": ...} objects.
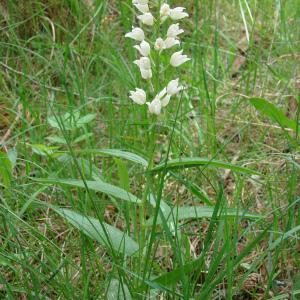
[{"x": 206, "y": 231}]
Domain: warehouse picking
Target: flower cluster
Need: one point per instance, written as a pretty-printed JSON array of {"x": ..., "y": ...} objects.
[{"x": 145, "y": 62}]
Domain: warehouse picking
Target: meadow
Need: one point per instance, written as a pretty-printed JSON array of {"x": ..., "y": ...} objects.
[{"x": 141, "y": 159}]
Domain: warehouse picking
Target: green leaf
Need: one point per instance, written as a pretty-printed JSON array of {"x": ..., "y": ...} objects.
[
  {"x": 6, "y": 169},
  {"x": 83, "y": 137},
  {"x": 198, "y": 212},
  {"x": 56, "y": 139},
  {"x": 123, "y": 174},
  {"x": 118, "y": 290},
  {"x": 97, "y": 186},
  {"x": 71, "y": 121},
  {"x": 271, "y": 111},
  {"x": 85, "y": 119},
  {"x": 43, "y": 150},
  {"x": 92, "y": 228},
  {"x": 12, "y": 155},
  {"x": 188, "y": 162},
  {"x": 117, "y": 153}
]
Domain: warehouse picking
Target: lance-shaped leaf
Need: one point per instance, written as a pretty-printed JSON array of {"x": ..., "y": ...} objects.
[
  {"x": 117, "y": 153},
  {"x": 94, "y": 185},
  {"x": 272, "y": 112},
  {"x": 120, "y": 241}
]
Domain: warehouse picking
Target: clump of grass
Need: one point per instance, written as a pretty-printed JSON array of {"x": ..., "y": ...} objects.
[{"x": 99, "y": 199}]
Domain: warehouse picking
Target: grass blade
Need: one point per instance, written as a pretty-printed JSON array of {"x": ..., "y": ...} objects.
[
  {"x": 188, "y": 162},
  {"x": 197, "y": 212}
]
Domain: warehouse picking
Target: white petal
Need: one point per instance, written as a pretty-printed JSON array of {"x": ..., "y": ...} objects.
[
  {"x": 165, "y": 101},
  {"x": 141, "y": 2},
  {"x": 178, "y": 13},
  {"x": 146, "y": 74},
  {"x": 155, "y": 106},
  {"x": 170, "y": 42},
  {"x": 146, "y": 19},
  {"x": 172, "y": 87},
  {"x": 143, "y": 63},
  {"x": 143, "y": 8},
  {"x": 138, "y": 96},
  {"x": 136, "y": 34},
  {"x": 174, "y": 30},
  {"x": 165, "y": 10},
  {"x": 143, "y": 48},
  {"x": 178, "y": 59}
]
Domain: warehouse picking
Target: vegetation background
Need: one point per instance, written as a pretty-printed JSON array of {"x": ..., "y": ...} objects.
[{"x": 66, "y": 70}]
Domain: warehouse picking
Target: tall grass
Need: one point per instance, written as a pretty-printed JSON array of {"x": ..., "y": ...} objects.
[{"x": 98, "y": 200}]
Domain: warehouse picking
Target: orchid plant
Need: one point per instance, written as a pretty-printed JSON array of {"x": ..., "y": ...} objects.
[{"x": 146, "y": 63}]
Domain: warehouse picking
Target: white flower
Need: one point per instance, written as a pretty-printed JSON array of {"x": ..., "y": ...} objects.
[
  {"x": 145, "y": 67},
  {"x": 178, "y": 13},
  {"x": 170, "y": 42},
  {"x": 143, "y": 63},
  {"x": 159, "y": 44},
  {"x": 164, "y": 97},
  {"x": 173, "y": 88},
  {"x": 141, "y": 2},
  {"x": 138, "y": 96},
  {"x": 146, "y": 18},
  {"x": 143, "y": 48},
  {"x": 174, "y": 30},
  {"x": 146, "y": 74},
  {"x": 178, "y": 59},
  {"x": 164, "y": 11},
  {"x": 165, "y": 101},
  {"x": 155, "y": 106},
  {"x": 143, "y": 8},
  {"x": 136, "y": 34}
]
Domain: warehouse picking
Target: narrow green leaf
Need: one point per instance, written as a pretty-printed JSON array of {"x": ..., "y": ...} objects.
[
  {"x": 271, "y": 111},
  {"x": 198, "y": 212},
  {"x": 188, "y": 162},
  {"x": 6, "y": 169},
  {"x": 92, "y": 228},
  {"x": 117, "y": 153},
  {"x": 95, "y": 185}
]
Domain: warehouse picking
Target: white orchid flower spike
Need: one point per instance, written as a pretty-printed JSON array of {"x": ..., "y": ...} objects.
[{"x": 147, "y": 59}]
